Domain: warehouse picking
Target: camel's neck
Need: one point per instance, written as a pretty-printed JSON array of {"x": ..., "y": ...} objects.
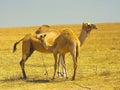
[
  {"x": 47, "y": 47},
  {"x": 83, "y": 36}
]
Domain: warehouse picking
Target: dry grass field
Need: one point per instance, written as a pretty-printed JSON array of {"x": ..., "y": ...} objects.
[{"x": 98, "y": 63}]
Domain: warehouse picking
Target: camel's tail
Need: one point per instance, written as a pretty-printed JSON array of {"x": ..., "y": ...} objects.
[{"x": 14, "y": 47}]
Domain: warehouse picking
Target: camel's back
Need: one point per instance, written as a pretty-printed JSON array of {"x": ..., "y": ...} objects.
[
  {"x": 67, "y": 36},
  {"x": 51, "y": 34},
  {"x": 66, "y": 40}
]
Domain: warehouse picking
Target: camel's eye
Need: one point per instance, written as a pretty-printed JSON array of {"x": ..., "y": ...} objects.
[
  {"x": 89, "y": 25},
  {"x": 44, "y": 35}
]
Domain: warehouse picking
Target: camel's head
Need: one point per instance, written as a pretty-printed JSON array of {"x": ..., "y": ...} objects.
[
  {"x": 42, "y": 29},
  {"x": 88, "y": 26},
  {"x": 41, "y": 37}
]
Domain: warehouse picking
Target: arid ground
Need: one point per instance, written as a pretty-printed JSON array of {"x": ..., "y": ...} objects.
[{"x": 98, "y": 63}]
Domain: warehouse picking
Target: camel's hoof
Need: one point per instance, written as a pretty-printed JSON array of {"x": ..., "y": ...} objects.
[
  {"x": 24, "y": 78},
  {"x": 60, "y": 75},
  {"x": 66, "y": 77},
  {"x": 52, "y": 78},
  {"x": 73, "y": 78}
]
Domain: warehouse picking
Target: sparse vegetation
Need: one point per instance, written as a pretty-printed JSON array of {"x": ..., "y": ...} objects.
[
  {"x": 105, "y": 73},
  {"x": 98, "y": 63}
]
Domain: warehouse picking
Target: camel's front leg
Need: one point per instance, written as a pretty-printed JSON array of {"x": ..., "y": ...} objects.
[
  {"x": 59, "y": 65},
  {"x": 55, "y": 65},
  {"x": 61, "y": 62},
  {"x": 64, "y": 66}
]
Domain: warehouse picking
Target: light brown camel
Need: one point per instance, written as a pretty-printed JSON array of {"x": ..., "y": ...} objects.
[
  {"x": 66, "y": 42},
  {"x": 62, "y": 45},
  {"x": 30, "y": 43}
]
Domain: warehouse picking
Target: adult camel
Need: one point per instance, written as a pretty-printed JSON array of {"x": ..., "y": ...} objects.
[{"x": 30, "y": 43}]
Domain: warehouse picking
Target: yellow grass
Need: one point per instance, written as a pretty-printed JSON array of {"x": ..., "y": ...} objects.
[{"x": 98, "y": 63}]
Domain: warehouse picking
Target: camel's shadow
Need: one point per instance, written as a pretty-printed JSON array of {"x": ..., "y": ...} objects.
[
  {"x": 33, "y": 80},
  {"x": 37, "y": 80},
  {"x": 46, "y": 80}
]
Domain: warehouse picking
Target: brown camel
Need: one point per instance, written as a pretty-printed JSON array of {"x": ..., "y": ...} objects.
[
  {"x": 30, "y": 43},
  {"x": 66, "y": 42}
]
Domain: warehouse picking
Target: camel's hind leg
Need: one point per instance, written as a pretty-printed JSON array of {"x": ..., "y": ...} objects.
[
  {"x": 26, "y": 53},
  {"x": 74, "y": 56},
  {"x": 22, "y": 64},
  {"x": 75, "y": 67}
]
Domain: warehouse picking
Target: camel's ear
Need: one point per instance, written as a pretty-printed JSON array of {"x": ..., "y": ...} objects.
[
  {"x": 88, "y": 23},
  {"x": 85, "y": 24},
  {"x": 38, "y": 31}
]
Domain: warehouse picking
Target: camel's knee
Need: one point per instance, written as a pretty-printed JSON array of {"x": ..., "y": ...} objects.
[
  {"x": 75, "y": 67},
  {"x": 22, "y": 63}
]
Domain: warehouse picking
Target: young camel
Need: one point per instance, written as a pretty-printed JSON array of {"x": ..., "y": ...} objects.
[
  {"x": 66, "y": 42},
  {"x": 59, "y": 42}
]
